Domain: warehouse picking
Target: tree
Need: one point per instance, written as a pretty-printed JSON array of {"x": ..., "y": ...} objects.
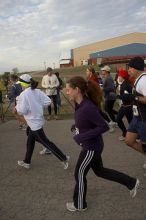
[{"x": 15, "y": 70}]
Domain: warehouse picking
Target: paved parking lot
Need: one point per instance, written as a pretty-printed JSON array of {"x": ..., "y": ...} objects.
[{"x": 42, "y": 192}]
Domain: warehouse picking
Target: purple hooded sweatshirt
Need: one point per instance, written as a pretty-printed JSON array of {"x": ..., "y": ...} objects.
[{"x": 90, "y": 126}]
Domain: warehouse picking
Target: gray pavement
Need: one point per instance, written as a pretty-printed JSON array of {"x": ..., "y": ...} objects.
[{"x": 42, "y": 192}]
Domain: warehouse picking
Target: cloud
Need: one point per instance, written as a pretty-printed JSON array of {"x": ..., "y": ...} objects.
[{"x": 36, "y": 31}]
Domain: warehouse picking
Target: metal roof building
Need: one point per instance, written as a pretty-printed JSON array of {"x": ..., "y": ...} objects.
[{"x": 125, "y": 45}]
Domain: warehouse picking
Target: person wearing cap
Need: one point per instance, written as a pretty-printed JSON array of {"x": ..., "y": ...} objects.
[
  {"x": 125, "y": 87},
  {"x": 50, "y": 83},
  {"x": 30, "y": 104},
  {"x": 137, "y": 127},
  {"x": 109, "y": 94}
]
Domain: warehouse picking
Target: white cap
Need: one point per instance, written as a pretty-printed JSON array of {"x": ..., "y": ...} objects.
[
  {"x": 106, "y": 68},
  {"x": 26, "y": 78}
]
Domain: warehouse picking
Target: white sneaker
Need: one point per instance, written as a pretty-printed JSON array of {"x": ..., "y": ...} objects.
[
  {"x": 20, "y": 127},
  {"x": 112, "y": 123},
  {"x": 49, "y": 118},
  {"x": 111, "y": 130},
  {"x": 45, "y": 151},
  {"x": 65, "y": 163},
  {"x": 116, "y": 125},
  {"x": 121, "y": 138},
  {"x": 134, "y": 190},
  {"x": 56, "y": 117},
  {"x": 23, "y": 164},
  {"x": 24, "y": 127},
  {"x": 144, "y": 165},
  {"x": 70, "y": 207}
]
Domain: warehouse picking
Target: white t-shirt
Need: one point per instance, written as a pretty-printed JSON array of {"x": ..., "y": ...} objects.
[
  {"x": 141, "y": 84},
  {"x": 50, "y": 83},
  {"x": 30, "y": 104}
]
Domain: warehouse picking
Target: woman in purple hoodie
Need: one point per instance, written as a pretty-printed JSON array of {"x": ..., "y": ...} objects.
[{"x": 88, "y": 130}]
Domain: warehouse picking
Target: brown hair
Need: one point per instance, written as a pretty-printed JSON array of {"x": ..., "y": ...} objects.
[
  {"x": 49, "y": 69},
  {"x": 88, "y": 88},
  {"x": 92, "y": 70}
]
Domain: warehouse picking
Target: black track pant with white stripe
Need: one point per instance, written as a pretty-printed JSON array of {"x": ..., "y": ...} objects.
[
  {"x": 40, "y": 136},
  {"x": 92, "y": 159}
]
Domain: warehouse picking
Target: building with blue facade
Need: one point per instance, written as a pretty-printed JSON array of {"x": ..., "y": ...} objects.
[{"x": 118, "y": 50}]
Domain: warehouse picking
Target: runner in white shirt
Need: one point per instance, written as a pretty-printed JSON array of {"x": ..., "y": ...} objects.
[{"x": 30, "y": 104}]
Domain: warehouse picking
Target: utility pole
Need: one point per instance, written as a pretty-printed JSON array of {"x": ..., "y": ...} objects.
[{"x": 45, "y": 64}]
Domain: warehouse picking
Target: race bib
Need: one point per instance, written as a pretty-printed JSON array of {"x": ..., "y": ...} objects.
[{"x": 135, "y": 110}]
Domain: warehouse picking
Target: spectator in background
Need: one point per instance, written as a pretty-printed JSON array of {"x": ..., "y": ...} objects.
[
  {"x": 15, "y": 91},
  {"x": 51, "y": 83},
  {"x": 15, "y": 88},
  {"x": 59, "y": 88},
  {"x": 1, "y": 100},
  {"x": 109, "y": 94},
  {"x": 6, "y": 82},
  {"x": 116, "y": 78},
  {"x": 125, "y": 87},
  {"x": 2, "y": 87}
]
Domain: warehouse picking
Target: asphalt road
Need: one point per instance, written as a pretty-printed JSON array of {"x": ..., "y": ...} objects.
[{"x": 42, "y": 192}]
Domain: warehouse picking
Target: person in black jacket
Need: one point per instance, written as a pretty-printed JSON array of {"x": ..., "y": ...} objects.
[
  {"x": 59, "y": 88},
  {"x": 109, "y": 91},
  {"x": 125, "y": 87}
]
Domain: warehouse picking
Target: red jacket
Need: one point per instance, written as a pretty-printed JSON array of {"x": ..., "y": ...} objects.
[{"x": 93, "y": 78}]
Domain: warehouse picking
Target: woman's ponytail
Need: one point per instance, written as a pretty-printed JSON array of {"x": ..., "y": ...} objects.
[
  {"x": 89, "y": 88},
  {"x": 34, "y": 84},
  {"x": 94, "y": 93}
]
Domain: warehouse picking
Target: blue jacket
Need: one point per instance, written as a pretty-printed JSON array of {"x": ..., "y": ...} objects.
[
  {"x": 109, "y": 88},
  {"x": 15, "y": 91}
]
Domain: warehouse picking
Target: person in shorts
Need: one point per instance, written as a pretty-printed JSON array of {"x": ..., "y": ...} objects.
[{"x": 137, "y": 127}]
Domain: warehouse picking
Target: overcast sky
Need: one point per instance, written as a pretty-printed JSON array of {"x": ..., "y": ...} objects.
[{"x": 33, "y": 33}]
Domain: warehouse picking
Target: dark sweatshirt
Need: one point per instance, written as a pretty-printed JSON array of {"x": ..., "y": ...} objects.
[
  {"x": 15, "y": 91},
  {"x": 109, "y": 88},
  {"x": 125, "y": 87},
  {"x": 90, "y": 126}
]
